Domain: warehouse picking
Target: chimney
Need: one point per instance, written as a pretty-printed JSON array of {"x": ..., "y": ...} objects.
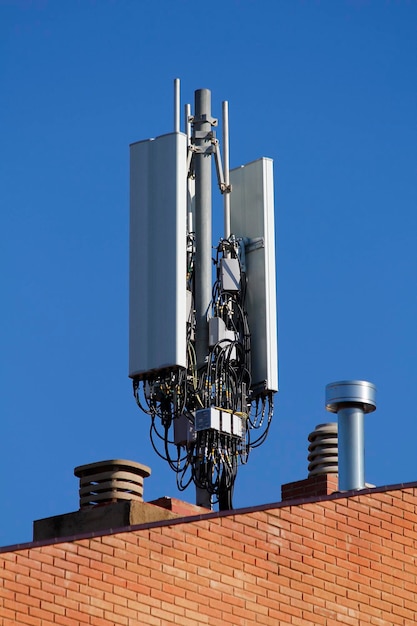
[
  {"x": 111, "y": 481},
  {"x": 322, "y": 468},
  {"x": 111, "y": 497},
  {"x": 351, "y": 400},
  {"x": 323, "y": 450}
]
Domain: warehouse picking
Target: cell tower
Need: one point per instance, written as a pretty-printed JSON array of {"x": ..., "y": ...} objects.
[{"x": 202, "y": 318}]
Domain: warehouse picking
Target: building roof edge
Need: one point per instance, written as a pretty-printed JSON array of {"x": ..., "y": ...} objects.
[{"x": 209, "y": 515}]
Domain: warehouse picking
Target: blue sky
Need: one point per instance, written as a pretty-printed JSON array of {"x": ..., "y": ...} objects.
[{"x": 328, "y": 90}]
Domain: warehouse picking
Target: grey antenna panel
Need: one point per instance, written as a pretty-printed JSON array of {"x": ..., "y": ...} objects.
[
  {"x": 252, "y": 217},
  {"x": 158, "y": 212}
]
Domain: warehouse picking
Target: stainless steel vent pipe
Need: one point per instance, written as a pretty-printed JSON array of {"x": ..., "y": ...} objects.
[{"x": 351, "y": 399}]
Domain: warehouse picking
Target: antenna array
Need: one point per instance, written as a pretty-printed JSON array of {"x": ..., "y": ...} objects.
[{"x": 192, "y": 358}]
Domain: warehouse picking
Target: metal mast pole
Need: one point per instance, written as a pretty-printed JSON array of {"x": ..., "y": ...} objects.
[{"x": 203, "y": 256}]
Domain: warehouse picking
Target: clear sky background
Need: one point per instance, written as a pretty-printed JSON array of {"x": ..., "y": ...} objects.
[{"x": 328, "y": 89}]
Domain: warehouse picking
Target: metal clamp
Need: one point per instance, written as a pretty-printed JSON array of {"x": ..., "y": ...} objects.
[
  {"x": 254, "y": 244},
  {"x": 204, "y": 149},
  {"x": 202, "y": 134},
  {"x": 199, "y": 119}
]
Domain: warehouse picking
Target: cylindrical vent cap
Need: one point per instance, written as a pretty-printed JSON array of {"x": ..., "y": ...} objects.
[
  {"x": 111, "y": 481},
  {"x": 351, "y": 392},
  {"x": 323, "y": 455}
]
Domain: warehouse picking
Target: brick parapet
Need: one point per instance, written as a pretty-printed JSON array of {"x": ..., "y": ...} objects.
[
  {"x": 313, "y": 486},
  {"x": 210, "y": 515},
  {"x": 340, "y": 559}
]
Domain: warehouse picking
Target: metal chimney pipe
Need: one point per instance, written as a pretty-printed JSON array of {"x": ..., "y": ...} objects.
[{"x": 351, "y": 399}]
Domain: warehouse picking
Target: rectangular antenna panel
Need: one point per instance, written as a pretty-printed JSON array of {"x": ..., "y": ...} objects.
[
  {"x": 158, "y": 214},
  {"x": 252, "y": 217}
]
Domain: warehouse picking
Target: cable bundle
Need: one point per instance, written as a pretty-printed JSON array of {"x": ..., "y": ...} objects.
[{"x": 209, "y": 457}]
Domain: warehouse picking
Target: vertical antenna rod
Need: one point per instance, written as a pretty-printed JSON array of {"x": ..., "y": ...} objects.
[
  {"x": 203, "y": 256},
  {"x": 226, "y": 195},
  {"x": 187, "y": 126},
  {"x": 177, "y": 105}
]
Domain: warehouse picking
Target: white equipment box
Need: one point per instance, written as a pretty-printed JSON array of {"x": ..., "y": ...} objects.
[
  {"x": 222, "y": 421},
  {"x": 252, "y": 217},
  {"x": 158, "y": 214}
]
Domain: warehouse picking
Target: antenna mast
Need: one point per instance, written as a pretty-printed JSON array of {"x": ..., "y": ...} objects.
[{"x": 204, "y": 371}]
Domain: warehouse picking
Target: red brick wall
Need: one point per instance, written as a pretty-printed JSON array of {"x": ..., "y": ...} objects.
[
  {"x": 319, "y": 485},
  {"x": 341, "y": 560}
]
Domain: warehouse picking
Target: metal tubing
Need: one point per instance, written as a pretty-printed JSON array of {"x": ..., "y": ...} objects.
[
  {"x": 226, "y": 195},
  {"x": 177, "y": 105},
  {"x": 203, "y": 262},
  {"x": 351, "y": 448},
  {"x": 190, "y": 183},
  {"x": 203, "y": 256},
  {"x": 187, "y": 125},
  {"x": 351, "y": 400}
]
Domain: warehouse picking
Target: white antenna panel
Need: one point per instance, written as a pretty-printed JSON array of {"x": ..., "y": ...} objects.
[
  {"x": 158, "y": 214},
  {"x": 252, "y": 217}
]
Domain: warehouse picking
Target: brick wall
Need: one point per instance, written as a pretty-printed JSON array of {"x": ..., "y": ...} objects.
[
  {"x": 319, "y": 485},
  {"x": 345, "y": 559}
]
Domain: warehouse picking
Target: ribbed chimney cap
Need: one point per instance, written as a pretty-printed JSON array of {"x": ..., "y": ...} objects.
[
  {"x": 122, "y": 464},
  {"x": 111, "y": 481}
]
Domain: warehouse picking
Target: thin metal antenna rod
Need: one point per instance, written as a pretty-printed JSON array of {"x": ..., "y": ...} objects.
[
  {"x": 190, "y": 183},
  {"x": 187, "y": 125},
  {"x": 177, "y": 105},
  {"x": 226, "y": 195},
  {"x": 203, "y": 256},
  {"x": 203, "y": 262}
]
